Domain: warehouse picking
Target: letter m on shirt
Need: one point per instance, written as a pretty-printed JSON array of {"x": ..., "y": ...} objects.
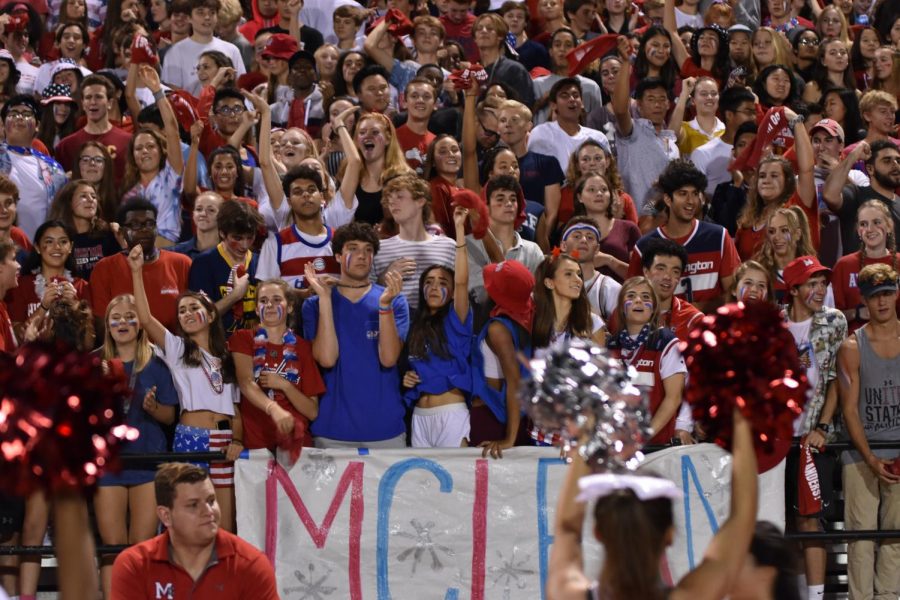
[{"x": 165, "y": 591}]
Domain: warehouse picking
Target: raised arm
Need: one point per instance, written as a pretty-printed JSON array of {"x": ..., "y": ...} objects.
[
  {"x": 353, "y": 169},
  {"x": 325, "y": 344},
  {"x": 151, "y": 325},
  {"x": 461, "y": 265},
  {"x": 389, "y": 343},
  {"x": 150, "y": 78},
  {"x": 470, "y": 141},
  {"x": 621, "y": 100},
  {"x": 806, "y": 162},
  {"x": 677, "y": 118},
  {"x": 266, "y": 160},
  {"x": 832, "y": 192},
  {"x": 679, "y": 52},
  {"x": 189, "y": 182},
  {"x": 727, "y": 551},
  {"x": 134, "y": 107},
  {"x": 547, "y": 222},
  {"x": 565, "y": 576},
  {"x": 372, "y": 43}
]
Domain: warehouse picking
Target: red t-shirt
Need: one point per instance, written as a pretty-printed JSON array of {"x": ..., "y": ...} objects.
[
  {"x": 681, "y": 319},
  {"x": 164, "y": 280},
  {"x": 846, "y": 290},
  {"x": 67, "y": 149},
  {"x": 259, "y": 429},
  {"x": 462, "y": 33},
  {"x": 567, "y": 206},
  {"x": 748, "y": 240},
  {"x": 24, "y": 300},
  {"x": 145, "y": 571},
  {"x": 414, "y": 146}
]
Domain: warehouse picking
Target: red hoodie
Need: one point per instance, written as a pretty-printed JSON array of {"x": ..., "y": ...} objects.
[{"x": 250, "y": 28}]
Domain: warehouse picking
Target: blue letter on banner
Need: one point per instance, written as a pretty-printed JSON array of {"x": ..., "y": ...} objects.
[{"x": 687, "y": 468}]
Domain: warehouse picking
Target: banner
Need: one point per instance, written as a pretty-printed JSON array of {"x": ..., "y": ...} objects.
[{"x": 448, "y": 524}]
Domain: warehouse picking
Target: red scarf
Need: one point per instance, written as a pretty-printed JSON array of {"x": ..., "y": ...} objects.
[{"x": 772, "y": 125}]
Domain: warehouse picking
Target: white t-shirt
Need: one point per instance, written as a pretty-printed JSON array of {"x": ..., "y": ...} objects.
[
  {"x": 335, "y": 214},
  {"x": 550, "y": 139},
  {"x": 45, "y": 75},
  {"x": 683, "y": 18},
  {"x": 27, "y": 77},
  {"x": 713, "y": 158},
  {"x": 180, "y": 62},
  {"x": 195, "y": 392},
  {"x": 800, "y": 331},
  {"x": 603, "y": 294}
]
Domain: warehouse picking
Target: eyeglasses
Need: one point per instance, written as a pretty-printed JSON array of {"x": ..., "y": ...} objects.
[
  {"x": 809, "y": 42},
  {"x": 139, "y": 225},
  {"x": 20, "y": 116},
  {"x": 94, "y": 161},
  {"x": 230, "y": 111}
]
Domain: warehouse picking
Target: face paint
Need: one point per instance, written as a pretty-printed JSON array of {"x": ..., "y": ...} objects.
[
  {"x": 348, "y": 257},
  {"x": 201, "y": 316},
  {"x": 123, "y": 323},
  {"x": 648, "y": 305},
  {"x": 789, "y": 237},
  {"x": 278, "y": 310},
  {"x": 809, "y": 297},
  {"x": 235, "y": 247},
  {"x": 627, "y": 305},
  {"x": 742, "y": 293}
]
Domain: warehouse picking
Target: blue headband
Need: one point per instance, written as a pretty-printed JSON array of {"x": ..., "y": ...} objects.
[{"x": 581, "y": 227}]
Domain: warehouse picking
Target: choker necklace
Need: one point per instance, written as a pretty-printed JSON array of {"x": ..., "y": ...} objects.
[{"x": 353, "y": 286}]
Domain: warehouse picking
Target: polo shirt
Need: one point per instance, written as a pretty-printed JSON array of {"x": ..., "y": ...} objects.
[{"x": 236, "y": 570}]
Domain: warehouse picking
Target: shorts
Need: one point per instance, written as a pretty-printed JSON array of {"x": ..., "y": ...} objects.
[
  {"x": 197, "y": 439},
  {"x": 440, "y": 427},
  {"x": 390, "y": 443},
  {"x": 486, "y": 428},
  {"x": 826, "y": 464},
  {"x": 127, "y": 478},
  {"x": 12, "y": 516}
]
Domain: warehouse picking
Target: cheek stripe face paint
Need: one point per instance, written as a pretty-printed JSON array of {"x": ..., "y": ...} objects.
[
  {"x": 627, "y": 305},
  {"x": 742, "y": 293},
  {"x": 201, "y": 316},
  {"x": 648, "y": 305},
  {"x": 347, "y": 259}
]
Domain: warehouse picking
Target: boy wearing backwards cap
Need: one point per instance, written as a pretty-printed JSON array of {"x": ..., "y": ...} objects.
[
  {"x": 818, "y": 332},
  {"x": 869, "y": 363}
]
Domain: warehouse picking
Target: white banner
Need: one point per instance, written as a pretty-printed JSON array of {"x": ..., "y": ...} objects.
[{"x": 433, "y": 524}]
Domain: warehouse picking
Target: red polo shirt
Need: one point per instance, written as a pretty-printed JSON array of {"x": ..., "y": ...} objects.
[{"x": 236, "y": 570}]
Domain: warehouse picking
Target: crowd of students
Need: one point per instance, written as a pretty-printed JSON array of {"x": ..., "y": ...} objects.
[{"x": 325, "y": 224}]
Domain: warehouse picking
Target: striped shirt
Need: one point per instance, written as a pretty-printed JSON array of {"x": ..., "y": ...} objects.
[{"x": 436, "y": 250}]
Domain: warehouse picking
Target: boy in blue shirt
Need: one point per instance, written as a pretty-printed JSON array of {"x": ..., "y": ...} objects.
[{"x": 357, "y": 329}]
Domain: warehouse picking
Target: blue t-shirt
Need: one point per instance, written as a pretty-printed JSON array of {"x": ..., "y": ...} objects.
[
  {"x": 209, "y": 273},
  {"x": 362, "y": 401},
  {"x": 439, "y": 375},
  {"x": 152, "y": 438},
  {"x": 536, "y": 171}
]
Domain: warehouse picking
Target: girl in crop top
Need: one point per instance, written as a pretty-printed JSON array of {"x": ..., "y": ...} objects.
[
  {"x": 439, "y": 347},
  {"x": 204, "y": 378}
]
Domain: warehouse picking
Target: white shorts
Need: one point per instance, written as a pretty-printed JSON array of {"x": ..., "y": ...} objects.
[{"x": 440, "y": 427}]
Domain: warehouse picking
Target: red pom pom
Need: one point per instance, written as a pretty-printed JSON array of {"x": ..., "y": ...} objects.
[
  {"x": 743, "y": 356},
  {"x": 61, "y": 419}
]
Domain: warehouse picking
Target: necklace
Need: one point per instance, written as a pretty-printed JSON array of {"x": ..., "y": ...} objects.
[
  {"x": 288, "y": 353},
  {"x": 213, "y": 374},
  {"x": 40, "y": 282}
]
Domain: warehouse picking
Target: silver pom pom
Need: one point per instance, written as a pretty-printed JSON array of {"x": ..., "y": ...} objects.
[{"x": 580, "y": 395}]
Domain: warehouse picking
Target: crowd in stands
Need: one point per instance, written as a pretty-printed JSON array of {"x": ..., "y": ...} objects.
[{"x": 296, "y": 223}]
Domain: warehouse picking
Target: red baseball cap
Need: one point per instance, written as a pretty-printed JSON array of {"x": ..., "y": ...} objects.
[
  {"x": 801, "y": 269},
  {"x": 510, "y": 284},
  {"x": 281, "y": 46}
]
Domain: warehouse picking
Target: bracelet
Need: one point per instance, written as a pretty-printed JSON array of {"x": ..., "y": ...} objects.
[
  {"x": 338, "y": 128},
  {"x": 461, "y": 246},
  {"x": 159, "y": 95},
  {"x": 237, "y": 441},
  {"x": 48, "y": 310},
  {"x": 385, "y": 311}
]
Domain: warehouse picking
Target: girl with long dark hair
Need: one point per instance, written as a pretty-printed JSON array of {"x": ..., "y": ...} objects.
[
  {"x": 655, "y": 59},
  {"x": 831, "y": 70},
  {"x": 59, "y": 116},
  {"x": 95, "y": 165},
  {"x": 561, "y": 307},
  {"x": 842, "y": 105},
  {"x": 439, "y": 345}
]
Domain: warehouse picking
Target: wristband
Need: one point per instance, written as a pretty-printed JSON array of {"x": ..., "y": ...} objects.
[
  {"x": 461, "y": 246},
  {"x": 159, "y": 95},
  {"x": 338, "y": 128},
  {"x": 48, "y": 310},
  {"x": 237, "y": 441}
]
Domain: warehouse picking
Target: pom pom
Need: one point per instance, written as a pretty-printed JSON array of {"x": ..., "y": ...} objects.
[
  {"x": 61, "y": 419},
  {"x": 743, "y": 357},
  {"x": 577, "y": 392}
]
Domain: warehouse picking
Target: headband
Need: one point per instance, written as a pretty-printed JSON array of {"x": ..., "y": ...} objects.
[
  {"x": 594, "y": 487},
  {"x": 581, "y": 227}
]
